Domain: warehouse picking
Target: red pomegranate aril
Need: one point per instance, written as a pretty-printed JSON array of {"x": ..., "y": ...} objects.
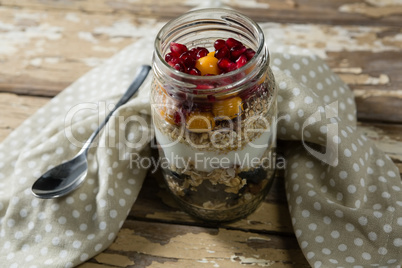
[
  {"x": 222, "y": 52},
  {"x": 249, "y": 53},
  {"x": 193, "y": 71},
  {"x": 219, "y": 44},
  {"x": 179, "y": 67},
  {"x": 202, "y": 52},
  {"x": 241, "y": 61},
  {"x": 205, "y": 86},
  {"x": 231, "y": 42},
  {"x": 175, "y": 61},
  {"x": 231, "y": 55},
  {"x": 211, "y": 98},
  {"x": 178, "y": 117},
  {"x": 193, "y": 52},
  {"x": 236, "y": 51},
  {"x": 178, "y": 48},
  {"x": 169, "y": 56},
  {"x": 226, "y": 65},
  {"x": 188, "y": 59},
  {"x": 232, "y": 67}
]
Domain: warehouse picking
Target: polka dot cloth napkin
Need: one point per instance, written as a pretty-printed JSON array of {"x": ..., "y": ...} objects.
[
  {"x": 67, "y": 231},
  {"x": 343, "y": 193}
]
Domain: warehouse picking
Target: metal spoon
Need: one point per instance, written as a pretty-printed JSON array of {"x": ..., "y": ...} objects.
[{"x": 66, "y": 177}]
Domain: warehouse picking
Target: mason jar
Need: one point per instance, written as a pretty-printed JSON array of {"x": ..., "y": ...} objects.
[{"x": 216, "y": 134}]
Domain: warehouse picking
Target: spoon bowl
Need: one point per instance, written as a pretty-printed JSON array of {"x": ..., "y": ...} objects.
[
  {"x": 62, "y": 179},
  {"x": 66, "y": 177}
]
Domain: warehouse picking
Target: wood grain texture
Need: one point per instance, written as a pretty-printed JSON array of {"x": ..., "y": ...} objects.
[
  {"x": 44, "y": 51},
  {"x": 369, "y": 12},
  {"x": 171, "y": 245},
  {"x": 14, "y": 109}
]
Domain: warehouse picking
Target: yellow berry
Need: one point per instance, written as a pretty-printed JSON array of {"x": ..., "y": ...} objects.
[
  {"x": 208, "y": 64},
  {"x": 168, "y": 115},
  {"x": 228, "y": 108},
  {"x": 200, "y": 121},
  {"x": 262, "y": 79}
]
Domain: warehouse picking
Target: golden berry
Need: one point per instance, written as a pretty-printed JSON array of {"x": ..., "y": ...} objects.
[
  {"x": 200, "y": 121},
  {"x": 168, "y": 114},
  {"x": 228, "y": 108},
  {"x": 208, "y": 64}
]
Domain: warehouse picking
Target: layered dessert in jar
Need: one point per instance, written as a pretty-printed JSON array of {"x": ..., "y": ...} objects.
[{"x": 214, "y": 113}]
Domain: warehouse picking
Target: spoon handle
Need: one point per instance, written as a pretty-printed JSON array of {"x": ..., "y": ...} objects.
[{"x": 140, "y": 76}]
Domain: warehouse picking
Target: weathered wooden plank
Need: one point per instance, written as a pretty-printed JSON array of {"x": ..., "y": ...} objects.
[
  {"x": 373, "y": 12},
  {"x": 375, "y": 78},
  {"x": 387, "y": 138},
  {"x": 169, "y": 245},
  {"x": 42, "y": 52},
  {"x": 15, "y": 109},
  {"x": 385, "y": 107}
]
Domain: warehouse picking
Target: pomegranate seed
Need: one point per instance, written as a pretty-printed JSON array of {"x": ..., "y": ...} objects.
[
  {"x": 205, "y": 86},
  {"x": 236, "y": 51},
  {"x": 179, "y": 67},
  {"x": 222, "y": 52},
  {"x": 193, "y": 71},
  {"x": 178, "y": 117},
  {"x": 230, "y": 54},
  {"x": 226, "y": 65},
  {"x": 177, "y": 60},
  {"x": 188, "y": 59},
  {"x": 231, "y": 42},
  {"x": 178, "y": 48},
  {"x": 219, "y": 44},
  {"x": 211, "y": 98},
  {"x": 241, "y": 61},
  {"x": 249, "y": 53},
  {"x": 193, "y": 52},
  {"x": 169, "y": 56},
  {"x": 226, "y": 81},
  {"x": 202, "y": 52},
  {"x": 232, "y": 67}
]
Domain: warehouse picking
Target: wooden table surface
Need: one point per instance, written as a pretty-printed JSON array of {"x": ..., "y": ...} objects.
[{"x": 45, "y": 45}]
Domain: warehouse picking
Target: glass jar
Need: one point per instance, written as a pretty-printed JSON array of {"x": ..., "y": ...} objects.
[{"x": 216, "y": 134}]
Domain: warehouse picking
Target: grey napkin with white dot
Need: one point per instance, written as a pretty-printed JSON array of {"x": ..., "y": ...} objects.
[{"x": 343, "y": 193}]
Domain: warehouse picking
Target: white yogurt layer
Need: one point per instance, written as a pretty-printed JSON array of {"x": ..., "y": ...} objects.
[{"x": 181, "y": 155}]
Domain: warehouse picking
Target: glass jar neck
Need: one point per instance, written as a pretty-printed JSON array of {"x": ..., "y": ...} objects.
[{"x": 202, "y": 28}]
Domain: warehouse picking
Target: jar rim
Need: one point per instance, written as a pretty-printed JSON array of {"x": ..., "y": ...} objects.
[{"x": 213, "y": 11}]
